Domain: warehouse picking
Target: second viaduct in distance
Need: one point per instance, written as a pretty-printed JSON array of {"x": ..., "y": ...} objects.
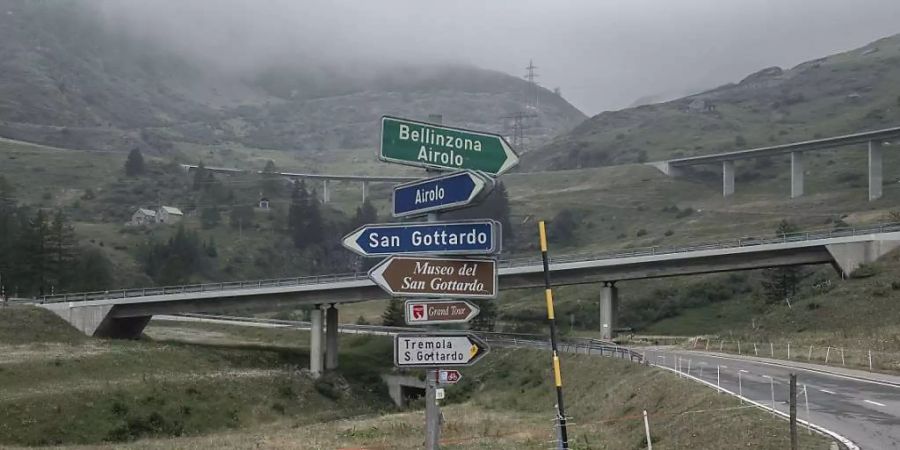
[{"x": 874, "y": 139}]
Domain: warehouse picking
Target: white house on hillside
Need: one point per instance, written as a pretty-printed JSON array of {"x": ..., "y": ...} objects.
[
  {"x": 169, "y": 215},
  {"x": 143, "y": 217}
]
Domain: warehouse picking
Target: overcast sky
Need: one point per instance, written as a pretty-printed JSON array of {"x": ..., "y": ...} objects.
[{"x": 603, "y": 54}]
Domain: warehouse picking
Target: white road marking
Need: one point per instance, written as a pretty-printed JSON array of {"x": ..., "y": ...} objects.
[
  {"x": 827, "y": 391},
  {"x": 874, "y": 403},
  {"x": 816, "y": 371}
]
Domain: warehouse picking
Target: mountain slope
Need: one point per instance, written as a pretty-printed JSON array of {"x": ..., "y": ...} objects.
[
  {"x": 848, "y": 92},
  {"x": 70, "y": 81}
]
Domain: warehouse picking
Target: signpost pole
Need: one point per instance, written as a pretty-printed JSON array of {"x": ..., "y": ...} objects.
[
  {"x": 432, "y": 410},
  {"x": 548, "y": 293}
]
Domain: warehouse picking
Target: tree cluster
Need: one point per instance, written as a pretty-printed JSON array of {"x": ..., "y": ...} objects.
[
  {"x": 39, "y": 254},
  {"x": 304, "y": 217},
  {"x": 176, "y": 260}
]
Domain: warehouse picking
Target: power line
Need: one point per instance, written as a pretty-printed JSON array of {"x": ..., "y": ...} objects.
[
  {"x": 519, "y": 125},
  {"x": 531, "y": 100}
]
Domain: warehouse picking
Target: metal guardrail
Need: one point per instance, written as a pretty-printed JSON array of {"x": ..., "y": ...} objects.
[
  {"x": 587, "y": 346},
  {"x": 509, "y": 263}
]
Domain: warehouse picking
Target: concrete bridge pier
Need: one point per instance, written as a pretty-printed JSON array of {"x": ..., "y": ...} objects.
[
  {"x": 727, "y": 178},
  {"x": 331, "y": 338},
  {"x": 796, "y": 174},
  {"x": 316, "y": 350},
  {"x": 609, "y": 309},
  {"x": 875, "y": 170}
]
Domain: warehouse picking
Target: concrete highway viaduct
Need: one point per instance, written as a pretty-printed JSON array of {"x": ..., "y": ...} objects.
[
  {"x": 874, "y": 140},
  {"x": 125, "y": 313},
  {"x": 363, "y": 180}
]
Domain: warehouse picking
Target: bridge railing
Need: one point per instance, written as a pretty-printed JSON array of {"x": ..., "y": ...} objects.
[{"x": 747, "y": 241}]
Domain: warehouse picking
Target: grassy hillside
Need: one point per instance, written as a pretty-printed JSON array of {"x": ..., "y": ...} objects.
[
  {"x": 613, "y": 207},
  {"x": 114, "y": 391},
  {"x": 215, "y": 386},
  {"x": 837, "y": 94},
  {"x": 73, "y": 81}
]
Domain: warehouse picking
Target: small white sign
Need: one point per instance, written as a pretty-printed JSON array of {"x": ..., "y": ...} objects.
[{"x": 439, "y": 393}]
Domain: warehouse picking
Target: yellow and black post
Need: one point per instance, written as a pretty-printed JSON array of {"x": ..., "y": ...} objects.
[{"x": 557, "y": 375}]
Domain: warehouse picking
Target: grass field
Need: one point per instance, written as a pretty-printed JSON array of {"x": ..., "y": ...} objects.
[{"x": 216, "y": 386}]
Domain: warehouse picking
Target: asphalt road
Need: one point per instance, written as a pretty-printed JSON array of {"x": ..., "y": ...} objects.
[{"x": 866, "y": 412}]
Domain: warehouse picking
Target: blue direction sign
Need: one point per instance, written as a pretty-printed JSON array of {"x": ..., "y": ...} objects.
[
  {"x": 473, "y": 237},
  {"x": 445, "y": 192}
]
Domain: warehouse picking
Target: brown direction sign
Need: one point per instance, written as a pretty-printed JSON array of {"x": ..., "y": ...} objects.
[
  {"x": 418, "y": 276},
  {"x": 424, "y": 312}
]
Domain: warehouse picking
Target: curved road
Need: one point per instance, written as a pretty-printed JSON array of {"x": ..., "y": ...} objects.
[
  {"x": 861, "y": 406},
  {"x": 866, "y": 411}
]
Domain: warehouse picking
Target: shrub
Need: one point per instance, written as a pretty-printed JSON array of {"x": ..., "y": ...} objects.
[
  {"x": 641, "y": 232},
  {"x": 864, "y": 271},
  {"x": 685, "y": 212},
  {"x": 669, "y": 232}
]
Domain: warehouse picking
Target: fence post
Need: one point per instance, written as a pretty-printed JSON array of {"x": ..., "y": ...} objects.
[
  {"x": 827, "y": 354},
  {"x": 806, "y": 400},
  {"x": 870, "y": 360},
  {"x": 793, "y": 411},
  {"x": 842, "y": 356},
  {"x": 772, "y": 388},
  {"x": 707, "y": 345},
  {"x": 718, "y": 382},
  {"x": 739, "y": 347},
  {"x": 789, "y": 351},
  {"x": 647, "y": 431},
  {"x": 755, "y": 351},
  {"x": 721, "y": 344},
  {"x": 809, "y": 356},
  {"x": 772, "y": 348}
]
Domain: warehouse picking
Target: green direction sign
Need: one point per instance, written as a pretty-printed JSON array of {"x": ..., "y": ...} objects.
[{"x": 422, "y": 144}]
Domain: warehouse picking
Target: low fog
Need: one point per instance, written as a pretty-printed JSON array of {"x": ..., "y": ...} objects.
[{"x": 602, "y": 54}]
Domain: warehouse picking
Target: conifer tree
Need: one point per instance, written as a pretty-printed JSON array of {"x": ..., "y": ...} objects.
[
  {"x": 393, "y": 314},
  {"x": 61, "y": 250},
  {"x": 781, "y": 283},
  {"x": 134, "y": 165}
]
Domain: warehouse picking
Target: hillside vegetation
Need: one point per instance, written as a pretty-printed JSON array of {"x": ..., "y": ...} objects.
[
  {"x": 219, "y": 386},
  {"x": 115, "y": 391},
  {"x": 71, "y": 80},
  {"x": 837, "y": 94}
]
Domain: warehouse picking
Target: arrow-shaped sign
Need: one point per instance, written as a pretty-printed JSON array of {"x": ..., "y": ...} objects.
[
  {"x": 424, "y": 312},
  {"x": 423, "y": 144},
  {"x": 408, "y": 276},
  {"x": 438, "y": 350},
  {"x": 464, "y": 237},
  {"x": 445, "y": 192}
]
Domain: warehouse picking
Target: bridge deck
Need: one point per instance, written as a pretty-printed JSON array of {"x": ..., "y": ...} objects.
[{"x": 653, "y": 262}]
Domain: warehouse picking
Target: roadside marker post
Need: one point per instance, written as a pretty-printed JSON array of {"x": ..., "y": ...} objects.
[{"x": 551, "y": 318}]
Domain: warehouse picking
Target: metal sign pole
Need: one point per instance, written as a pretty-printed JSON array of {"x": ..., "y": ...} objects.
[{"x": 432, "y": 410}]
